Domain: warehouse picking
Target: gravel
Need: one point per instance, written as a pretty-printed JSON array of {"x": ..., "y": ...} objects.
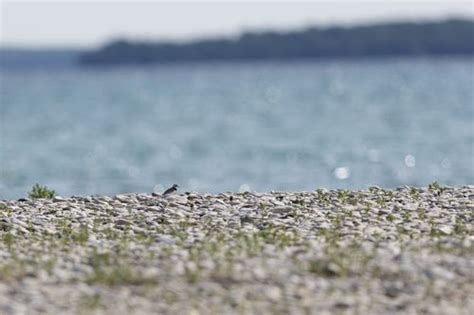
[{"x": 403, "y": 251}]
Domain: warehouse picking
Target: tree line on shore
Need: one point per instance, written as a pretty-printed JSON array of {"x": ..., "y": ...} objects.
[{"x": 450, "y": 37}]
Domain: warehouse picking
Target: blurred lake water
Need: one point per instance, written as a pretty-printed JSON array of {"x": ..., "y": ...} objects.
[{"x": 237, "y": 126}]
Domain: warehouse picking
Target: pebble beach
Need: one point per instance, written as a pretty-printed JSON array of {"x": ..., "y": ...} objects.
[{"x": 378, "y": 251}]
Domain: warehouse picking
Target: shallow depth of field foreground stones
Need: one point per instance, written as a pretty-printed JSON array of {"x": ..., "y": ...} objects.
[{"x": 406, "y": 251}]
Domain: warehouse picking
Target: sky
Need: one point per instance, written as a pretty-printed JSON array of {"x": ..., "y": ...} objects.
[{"x": 89, "y": 24}]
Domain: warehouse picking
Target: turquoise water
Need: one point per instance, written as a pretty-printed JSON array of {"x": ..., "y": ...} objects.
[{"x": 237, "y": 126}]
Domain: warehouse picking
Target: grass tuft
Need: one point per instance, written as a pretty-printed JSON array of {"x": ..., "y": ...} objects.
[{"x": 41, "y": 192}]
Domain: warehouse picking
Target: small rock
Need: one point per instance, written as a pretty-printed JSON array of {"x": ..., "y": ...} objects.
[
  {"x": 342, "y": 305},
  {"x": 58, "y": 199},
  {"x": 246, "y": 219},
  {"x": 122, "y": 198},
  {"x": 122, "y": 222},
  {"x": 282, "y": 210},
  {"x": 447, "y": 230}
]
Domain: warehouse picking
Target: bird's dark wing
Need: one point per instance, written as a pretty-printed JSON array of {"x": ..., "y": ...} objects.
[{"x": 169, "y": 191}]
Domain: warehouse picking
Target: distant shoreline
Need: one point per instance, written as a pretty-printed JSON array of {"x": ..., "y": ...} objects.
[
  {"x": 25, "y": 59},
  {"x": 442, "y": 38}
]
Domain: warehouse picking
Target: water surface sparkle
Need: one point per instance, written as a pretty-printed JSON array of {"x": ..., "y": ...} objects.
[{"x": 241, "y": 126}]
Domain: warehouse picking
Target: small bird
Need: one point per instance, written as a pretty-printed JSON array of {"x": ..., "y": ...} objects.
[{"x": 171, "y": 190}]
